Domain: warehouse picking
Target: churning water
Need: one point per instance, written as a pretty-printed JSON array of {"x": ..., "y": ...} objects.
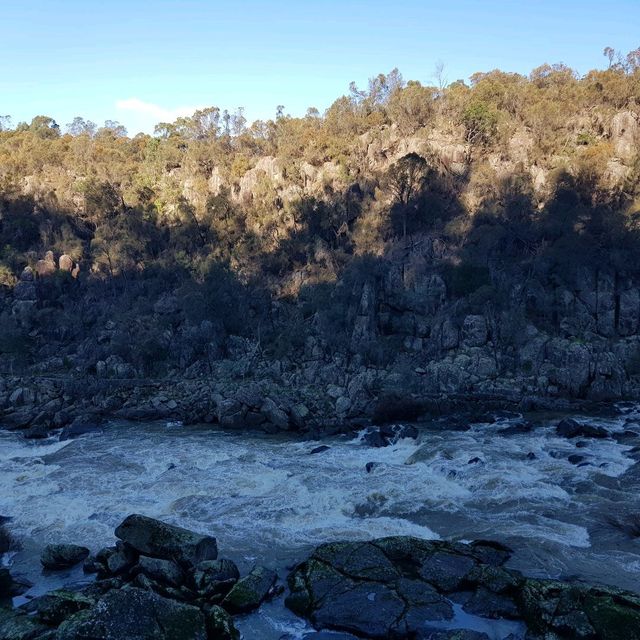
[{"x": 268, "y": 500}]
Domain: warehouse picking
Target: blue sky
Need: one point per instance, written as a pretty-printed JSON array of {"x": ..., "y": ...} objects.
[{"x": 142, "y": 61}]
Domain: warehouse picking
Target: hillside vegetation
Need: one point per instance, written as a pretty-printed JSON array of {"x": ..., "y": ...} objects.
[{"x": 479, "y": 236}]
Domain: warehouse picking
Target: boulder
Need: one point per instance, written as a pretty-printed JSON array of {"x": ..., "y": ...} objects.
[
  {"x": 15, "y": 625},
  {"x": 37, "y": 432},
  {"x": 220, "y": 624},
  {"x": 320, "y": 449},
  {"x": 388, "y": 434},
  {"x": 62, "y": 556},
  {"x": 475, "y": 331},
  {"x": 5, "y": 539},
  {"x": 120, "y": 559},
  {"x": 403, "y": 588},
  {"x": 274, "y": 414},
  {"x": 164, "y": 571},
  {"x": 625, "y": 134},
  {"x": 157, "y": 539},
  {"x": 56, "y": 606},
  {"x": 249, "y": 592},
  {"x": 570, "y": 428},
  {"x": 65, "y": 263},
  {"x": 213, "y": 579},
  {"x": 135, "y": 614},
  {"x": 579, "y": 611}
]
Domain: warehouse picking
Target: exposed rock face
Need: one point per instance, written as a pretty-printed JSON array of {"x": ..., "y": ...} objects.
[
  {"x": 160, "y": 540},
  {"x": 625, "y": 133},
  {"x": 404, "y": 587},
  {"x": 65, "y": 263},
  {"x": 46, "y": 267}
]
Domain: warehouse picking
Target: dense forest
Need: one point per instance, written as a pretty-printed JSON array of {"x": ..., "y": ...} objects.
[{"x": 406, "y": 228}]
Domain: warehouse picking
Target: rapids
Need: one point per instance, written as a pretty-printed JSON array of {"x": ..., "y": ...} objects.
[{"x": 268, "y": 500}]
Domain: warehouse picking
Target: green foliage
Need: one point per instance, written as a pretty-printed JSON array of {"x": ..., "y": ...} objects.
[
  {"x": 222, "y": 216},
  {"x": 480, "y": 121}
]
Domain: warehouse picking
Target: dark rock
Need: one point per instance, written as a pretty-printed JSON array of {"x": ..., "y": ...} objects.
[
  {"x": 388, "y": 434},
  {"x": 579, "y": 611},
  {"x": 574, "y": 458},
  {"x": 374, "y": 439},
  {"x": 120, "y": 559},
  {"x": 531, "y": 456},
  {"x": 80, "y": 426},
  {"x": 328, "y": 635},
  {"x": 320, "y": 449},
  {"x": 157, "y": 539},
  {"x": 249, "y": 592},
  {"x": 219, "y": 624},
  {"x": 6, "y": 541},
  {"x": 490, "y": 552},
  {"x": 459, "y": 634},
  {"x": 61, "y": 556},
  {"x": 370, "y": 466},
  {"x": 487, "y": 604},
  {"x": 214, "y": 578},
  {"x": 570, "y": 428},
  {"x": 15, "y": 625},
  {"x": 476, "y": 460},
  {"x": 37, "y": 432},
  {"x": 6, "y": 584},
  {"x": 56, "y": 606},
  {"x": 163, "y": 571},
  {"x": 135, "y": 614},
  {"x": 446, "y": 571},
  {"x": 521, "y": 426}
]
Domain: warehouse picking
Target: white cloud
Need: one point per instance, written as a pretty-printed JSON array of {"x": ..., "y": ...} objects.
[{"x": 145, "y": 115}]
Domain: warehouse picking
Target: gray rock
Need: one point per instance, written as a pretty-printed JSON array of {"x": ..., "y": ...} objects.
[
  {"x": 163, "y": 571},
  {"x": 219, "y": 624},
  {"x": 62, "y": 556},
  {"x": 215, "y": 578},
  {"x": 56, "y": 606},
  {"x": 19, "y": 626},
  {"x": 474, "y": 331},
  {"x": 135, "y": 614},
  {"x": 157, "y": 539},
  {"x": 249, "y": 592}
]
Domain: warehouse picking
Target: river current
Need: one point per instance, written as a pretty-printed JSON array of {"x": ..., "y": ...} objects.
[{"x": 267, "y": 499}]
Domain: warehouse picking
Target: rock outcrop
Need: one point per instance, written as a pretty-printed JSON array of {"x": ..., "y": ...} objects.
[{"x": 403, "y": 587}]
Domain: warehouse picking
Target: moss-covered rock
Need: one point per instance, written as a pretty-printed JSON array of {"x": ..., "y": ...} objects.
[
  {"x": 61, "y": 556},
  {"x": 249, "y": 592},
  {"x": 157, "y": 539},
  {"x": 339, "y": 587},
  {"x": 56, "y": 606},
  {"x": 135, "y": 614},
  {"x": 19, "y": 626},
  {"x": 219, "y": 624}
]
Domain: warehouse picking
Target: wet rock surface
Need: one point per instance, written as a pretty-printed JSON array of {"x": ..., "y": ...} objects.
[
  {"x": 160, "y": 540},
  {"x": 403, "y": 587},
  {"x": 62, "y": 556}
]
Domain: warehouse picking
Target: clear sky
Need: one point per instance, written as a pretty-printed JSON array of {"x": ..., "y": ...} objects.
[{"x": 143, "y": 61}]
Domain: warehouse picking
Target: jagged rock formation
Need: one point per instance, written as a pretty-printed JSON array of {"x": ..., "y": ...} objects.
[{"x": 404, "y": 587}]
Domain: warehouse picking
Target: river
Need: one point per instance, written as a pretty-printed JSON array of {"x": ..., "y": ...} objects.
[{"x": 267, "y": 499}]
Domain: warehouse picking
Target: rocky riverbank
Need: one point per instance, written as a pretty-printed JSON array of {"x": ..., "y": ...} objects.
[
  {"x": 164, "y": 582},
  {"x": 39, "y": 405}
]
